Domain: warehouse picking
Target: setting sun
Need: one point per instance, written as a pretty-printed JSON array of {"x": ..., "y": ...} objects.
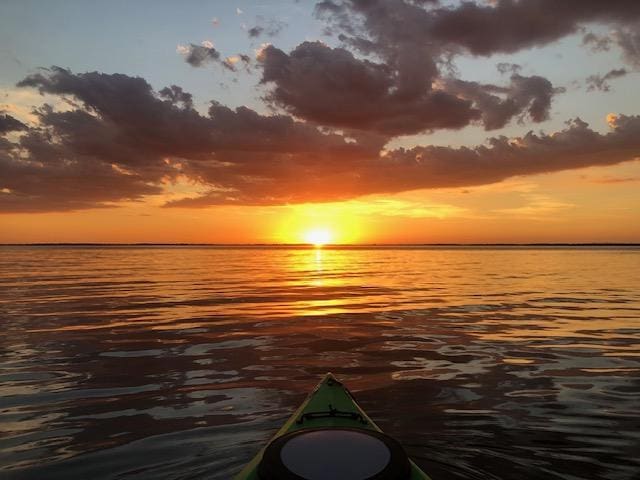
[{"x": 318, "y": 236}]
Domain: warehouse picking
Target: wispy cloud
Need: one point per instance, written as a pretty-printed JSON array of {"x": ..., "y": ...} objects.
[
  {"x": 198, "y": 55},
  {"x": 536, "y": 206},
  {"x": 601, "y": 82},
  {"x": 269, "y": 27},
  {"x": 388, "y": 207},
  {"x": 610, "y": 180}
]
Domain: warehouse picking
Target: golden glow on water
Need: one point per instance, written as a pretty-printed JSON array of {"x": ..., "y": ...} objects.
[
  {"x": 325, "y": 281},
  {"x": 186, "y": 337}
]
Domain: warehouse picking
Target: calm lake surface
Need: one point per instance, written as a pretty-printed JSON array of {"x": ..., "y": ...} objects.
[{"x": 179, "y": 363}]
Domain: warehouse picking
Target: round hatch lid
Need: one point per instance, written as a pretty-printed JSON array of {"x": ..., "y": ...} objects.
[{"x": 334, "y": 454}]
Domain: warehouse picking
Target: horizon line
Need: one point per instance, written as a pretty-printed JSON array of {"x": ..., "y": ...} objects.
[{"x": 327, "y": 245}]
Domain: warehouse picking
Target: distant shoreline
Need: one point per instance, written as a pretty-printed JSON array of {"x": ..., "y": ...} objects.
[{"x": 327, "y": 247}]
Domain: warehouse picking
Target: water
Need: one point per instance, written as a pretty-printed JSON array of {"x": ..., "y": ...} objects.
[{"x": 179, "y": 363}]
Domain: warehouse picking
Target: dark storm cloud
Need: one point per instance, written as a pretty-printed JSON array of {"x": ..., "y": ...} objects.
[
  {"x": 10, "y": 124},
  {"x": 601, "y": 82}
]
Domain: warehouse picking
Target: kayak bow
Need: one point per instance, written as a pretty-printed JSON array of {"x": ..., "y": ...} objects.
[{"x": 331, "y": 437}]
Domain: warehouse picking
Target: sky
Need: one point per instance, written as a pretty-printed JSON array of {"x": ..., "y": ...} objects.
[{"x": 334, "y": 121}]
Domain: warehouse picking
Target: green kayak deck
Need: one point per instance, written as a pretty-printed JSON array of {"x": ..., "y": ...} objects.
[{"x": 316, "y": 412}]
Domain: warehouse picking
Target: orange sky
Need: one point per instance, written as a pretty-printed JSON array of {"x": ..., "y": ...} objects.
[{"x": 598, "y": 204}]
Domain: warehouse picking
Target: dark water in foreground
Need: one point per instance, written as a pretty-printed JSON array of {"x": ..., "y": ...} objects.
[{"x": 179, "y": 363}]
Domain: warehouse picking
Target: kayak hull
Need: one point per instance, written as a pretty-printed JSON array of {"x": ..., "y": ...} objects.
[{"x": 329, "y": 405}]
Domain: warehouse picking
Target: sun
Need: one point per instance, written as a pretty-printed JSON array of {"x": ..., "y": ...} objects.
[{"x": 318, "y": 236}]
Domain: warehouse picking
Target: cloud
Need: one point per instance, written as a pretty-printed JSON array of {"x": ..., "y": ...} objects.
[
  {"x": 198, "y": 55},
  {"x": 609, "y": 180},
  {"x": 597, "y": 43},
  {"x": 177, "y": 96},
  {"x": 332, "y": 87},
  {"x": 627, "y": 38},
  {"x": 601, "y": 82},
  {"x": 124, "y": 141},
  {"x": 524, "y": 97},
  {"x": 501, "y": 26},
  {"x": 386, "y": 76},
  {"x": 509, "y": 26},
  {"x": 392, "y": 73},
  {"x": 405, "y": 33},
  {"x": 505, "y": 67},
  {"x": 231, "y": 62},
  {"x": 123, "y": 131},
  {"x": 575, "y": 147},
  {"x": 270, "y": 27},
  {"x": 32, "y": 186},
  {"x": 118, "y": 110},
  {"x": 395, "y": 85},
  {"x": 255, "y": 31},
  {"x": 10, "y": 124},
  {"x": 629, "y": 41},
  {"x": 332, "y": 179}
]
